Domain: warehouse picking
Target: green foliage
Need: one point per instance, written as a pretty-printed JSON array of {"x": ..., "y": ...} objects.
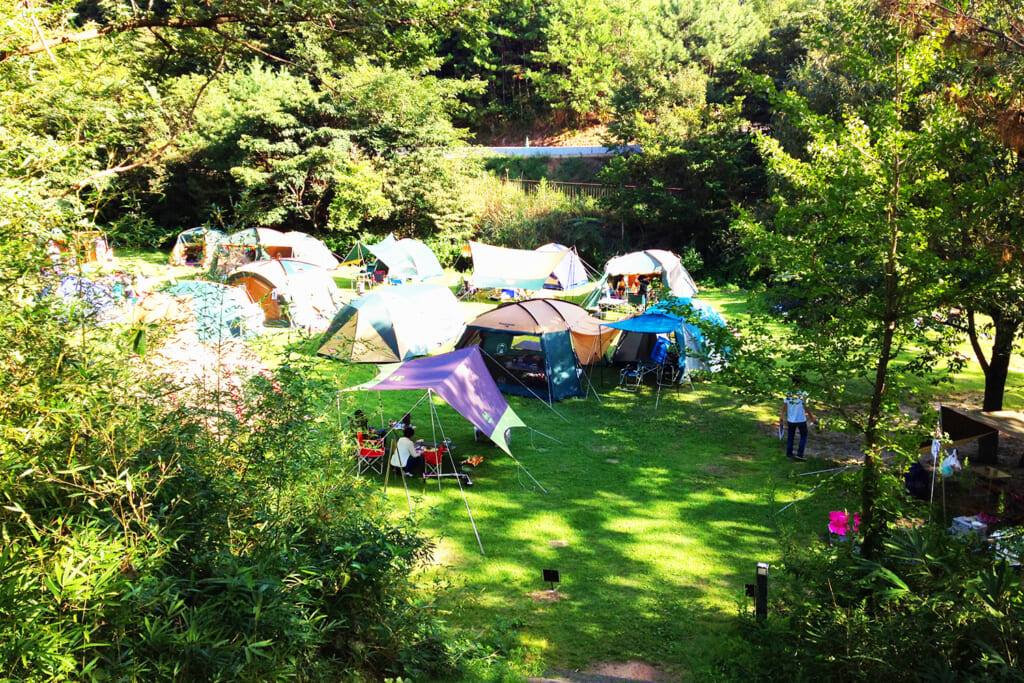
[
  {"x": 520, "y": 220},
  {"x": 935, "y": 607},
  {"x": 698, "y": 163},
  {"x": 154, "y": 529}
]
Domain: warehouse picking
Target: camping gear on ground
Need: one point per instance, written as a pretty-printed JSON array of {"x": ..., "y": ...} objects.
[
  {"x": 535, "y": 347},
  {"x": 393, "y": 324},
  {"x": 370, "y": 452},
  {"x": 94, "y": 299},
  {"x": 196, "y": 247},
  {"x": 512, "y": 268},
  {"x": 407, "y": 259},
  {"x": 570, "y": 273},
  {"x": 289, "y": 291}
]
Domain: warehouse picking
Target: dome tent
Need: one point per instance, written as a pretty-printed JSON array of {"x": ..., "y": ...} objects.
[
  {"x": 298, "y": 293},
  {"x": 196, "y": 247},
  {"x": 311, "y": 250},
  {"x": 406, "y": 259},
  {"x": 570, "y": 273},
  {"x": 216, "y": 311},
  {"x": 650, "y": 263},
  {"x": 393, "y": 324},
  {"x": 535, "y": 347}
]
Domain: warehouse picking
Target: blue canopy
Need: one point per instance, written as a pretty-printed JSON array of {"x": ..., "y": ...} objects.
[{"x": 660, "y": 319}]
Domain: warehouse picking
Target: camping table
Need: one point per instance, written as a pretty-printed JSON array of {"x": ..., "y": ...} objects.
[{"x": 994, "y": 480}]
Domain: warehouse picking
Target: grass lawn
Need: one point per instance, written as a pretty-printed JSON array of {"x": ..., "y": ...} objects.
[{"x": 655, "y": 519}]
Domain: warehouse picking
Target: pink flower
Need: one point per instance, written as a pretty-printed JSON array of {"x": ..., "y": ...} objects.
[{"x": 839, "y": 522}]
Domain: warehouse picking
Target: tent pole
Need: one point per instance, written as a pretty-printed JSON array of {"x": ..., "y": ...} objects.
[
  {"x": 537, "y": 431},
  {"x": 462, "y": 490},
  {"x": 434, "y": 417},
  {"x": 811, "y": 492}
]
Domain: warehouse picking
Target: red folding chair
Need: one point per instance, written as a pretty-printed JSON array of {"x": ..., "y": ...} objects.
[
  {"x": 432, "y": 460},
  {"x": 370, "y": 454}
]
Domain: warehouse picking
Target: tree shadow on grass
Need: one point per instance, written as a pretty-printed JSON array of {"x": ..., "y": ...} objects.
[{"x": 663, "y": 515}]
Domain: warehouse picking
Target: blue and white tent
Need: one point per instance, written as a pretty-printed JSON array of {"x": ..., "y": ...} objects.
[
  {"x": 570, "y": 271},
  {"x": 407, "y": 259},
  {"x": 391, "y": 324}
]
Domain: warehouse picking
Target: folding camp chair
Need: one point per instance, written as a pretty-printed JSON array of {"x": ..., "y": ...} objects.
[
  {"x": 432, "y": 461},
  {"x": 633, "y": 375},
  {"x": 369, "y": 454}
]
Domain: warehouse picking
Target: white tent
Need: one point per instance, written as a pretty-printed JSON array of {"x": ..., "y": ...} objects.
[
  {"x": 570, "y": 272},
  {"x": 407, "y": 259},
  {"x": 311, "y": 250},
  {"x": 654, "y": 261}
]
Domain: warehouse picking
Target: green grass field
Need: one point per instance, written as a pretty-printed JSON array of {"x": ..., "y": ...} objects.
[{"x": 655, "y": 518}]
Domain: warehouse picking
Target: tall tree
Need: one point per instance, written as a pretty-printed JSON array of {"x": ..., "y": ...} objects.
[{"x": 853, "y": 231}]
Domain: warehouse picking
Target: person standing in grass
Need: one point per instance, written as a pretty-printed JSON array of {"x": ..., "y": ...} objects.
[{"x": 794, "y": 415}]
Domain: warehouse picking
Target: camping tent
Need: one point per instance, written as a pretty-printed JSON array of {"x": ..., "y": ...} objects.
[
  {"x": 359, "y": 254},
  {"x": 514, "y": 268},
  {"x": 649, "y": 263},
  {"x": 311, "y": 250},
  {"x": 235, "y": 250},
  {"x": 569, "y": 273},
  {"x": 300, "y": 293},
  {"x": 220, "y": 311},
  {"x": 462, "y": 380},
  {"x": 407, "y": 259},
  {"x": 393, "y": 324},
  {"x": 195, "y": 247},
  {"x": 296, "y": 245},
  {"x": 534, "y": 347},
  {"x": 217, "y": 312},
  {"x": 641, "y": 333}
]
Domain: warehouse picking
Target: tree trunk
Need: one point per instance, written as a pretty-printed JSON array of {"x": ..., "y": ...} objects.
[{"x": 998, "y": 369}]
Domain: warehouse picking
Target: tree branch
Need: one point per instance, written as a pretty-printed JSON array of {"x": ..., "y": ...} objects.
[
  {"x": 114, "y": 170},
  {"x": 95, "y": 32}
]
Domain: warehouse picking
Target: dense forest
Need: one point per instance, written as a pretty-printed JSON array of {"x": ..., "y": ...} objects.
[{"x": 861, "y": 155}]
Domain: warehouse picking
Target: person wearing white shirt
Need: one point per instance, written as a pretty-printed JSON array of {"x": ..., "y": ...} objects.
[
  {"x": 794, "y": 415},
  {"x": 406, "y": 454}
]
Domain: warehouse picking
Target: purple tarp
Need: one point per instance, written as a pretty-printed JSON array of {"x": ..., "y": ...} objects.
[{"x": 462, "y": 380}]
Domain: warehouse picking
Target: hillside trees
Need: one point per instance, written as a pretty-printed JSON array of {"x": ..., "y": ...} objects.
[
  {"x": 183, "y": 64},
  {"x": 271, "y": 149}
]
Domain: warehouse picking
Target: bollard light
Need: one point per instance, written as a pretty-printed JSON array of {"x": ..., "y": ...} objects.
[
  {"x": 552, "y": 576},
  {"x": 761, "y": 596}
]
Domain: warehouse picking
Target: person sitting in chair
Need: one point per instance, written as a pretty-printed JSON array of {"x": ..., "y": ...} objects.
[{"x": 406, "y": 454}]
